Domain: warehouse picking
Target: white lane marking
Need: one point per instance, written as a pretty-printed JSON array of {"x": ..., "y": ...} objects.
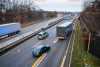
[
  {"x": 55, "y": 41},
  {"x": 71, "y": 51},
  {"x": 39, "y": 60},
  {"x": 65, "y": 55}
]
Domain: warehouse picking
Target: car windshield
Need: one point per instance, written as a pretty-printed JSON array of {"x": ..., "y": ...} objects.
[
  {"x": 37, "y": 48},
  {"x": 41, "y": 33}
]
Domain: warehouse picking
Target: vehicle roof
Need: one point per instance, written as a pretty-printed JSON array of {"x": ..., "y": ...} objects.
[
  {"x": 42, "y": 32},
  {"x": 9, "y": 24},
  {"x": 39, "y": 46},
  {"x": 65, "y": 24}
]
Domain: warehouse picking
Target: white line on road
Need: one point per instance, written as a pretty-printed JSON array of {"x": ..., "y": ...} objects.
[
  {"x": 63, "y": 61},
  {"x": 55, "y": 41},
  {"x": 72, "y": 50},
  {"x": 39, "y": 60}
]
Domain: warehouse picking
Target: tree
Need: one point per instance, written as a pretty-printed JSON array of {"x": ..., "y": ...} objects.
[{"x": 91, "y": 16}]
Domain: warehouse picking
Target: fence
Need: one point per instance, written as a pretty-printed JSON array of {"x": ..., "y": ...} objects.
[{"x": 79, "y": 56}]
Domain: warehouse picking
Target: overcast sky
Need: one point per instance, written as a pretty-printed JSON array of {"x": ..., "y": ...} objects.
[{"x": 60, "y": 5}]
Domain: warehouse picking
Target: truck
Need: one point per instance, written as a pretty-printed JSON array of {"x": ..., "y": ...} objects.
[
  {"x": 64, "y": 29},
  {"x": 9, "y": 29}
]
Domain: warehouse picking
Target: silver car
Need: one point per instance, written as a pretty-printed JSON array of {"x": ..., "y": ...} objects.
[{"x": 42, "y": 35}]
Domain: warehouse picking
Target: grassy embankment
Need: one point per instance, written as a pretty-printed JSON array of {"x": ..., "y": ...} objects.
[{"x": 80, "y": 57}]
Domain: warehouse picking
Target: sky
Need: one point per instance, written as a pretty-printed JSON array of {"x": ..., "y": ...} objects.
[{"x": 60, "y": 5}]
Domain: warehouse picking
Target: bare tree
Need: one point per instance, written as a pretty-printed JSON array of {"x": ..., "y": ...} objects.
[{"x": 91, "y": 16}]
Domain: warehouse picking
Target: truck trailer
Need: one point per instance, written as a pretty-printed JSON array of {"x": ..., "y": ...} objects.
[
  {"x": 10, "y": 29},
  {"x": 64, "y": 29}
]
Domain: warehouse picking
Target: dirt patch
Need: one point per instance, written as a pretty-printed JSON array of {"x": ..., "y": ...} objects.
[{"x": 28, "y": 23}]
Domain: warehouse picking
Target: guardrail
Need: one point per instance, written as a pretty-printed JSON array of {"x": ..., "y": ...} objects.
[
  {"x": 23, "y": 37},
  {"x": 72, "y": 44}
]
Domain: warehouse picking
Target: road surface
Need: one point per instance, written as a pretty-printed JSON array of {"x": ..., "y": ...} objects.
[
  {"x": 21, "y": 56},
  {"x": 33, "y": 27}
]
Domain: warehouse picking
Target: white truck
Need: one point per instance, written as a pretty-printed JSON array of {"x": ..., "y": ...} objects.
[
  {"x": 10, "y": 29},
  {"x": 64, "y": 29}
]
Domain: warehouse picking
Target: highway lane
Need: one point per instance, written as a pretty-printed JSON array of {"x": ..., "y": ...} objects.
[
  {"x": 21, "y": 53},
  {"x": 55, "y": 56},
  {"x": 21, "y": 56},
  {"x": 32, "y": 27},
  {"x": 58, "y": 48}
]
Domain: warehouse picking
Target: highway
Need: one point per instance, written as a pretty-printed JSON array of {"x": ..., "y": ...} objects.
[
  {"x": 21, "y": 55},
  {"x": 32, "y": 27}
]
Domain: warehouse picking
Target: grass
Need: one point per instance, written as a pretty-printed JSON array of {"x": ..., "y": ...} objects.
[{"x": 80, "y": 57}]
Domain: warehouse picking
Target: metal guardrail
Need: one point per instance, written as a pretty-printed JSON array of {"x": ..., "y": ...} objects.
[{"x": 72, "y": 45}]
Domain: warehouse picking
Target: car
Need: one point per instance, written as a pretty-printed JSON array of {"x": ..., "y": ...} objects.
[
  {"x": 39, "y": 50},
  {"x": 42, "y": 35}
]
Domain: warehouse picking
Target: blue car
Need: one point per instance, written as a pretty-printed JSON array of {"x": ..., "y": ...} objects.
[{"x": 39, "y": 50}]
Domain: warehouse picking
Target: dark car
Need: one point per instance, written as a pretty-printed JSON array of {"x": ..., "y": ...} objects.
[
  {"x": 39, "y": 50},
  {"x": 42, "y": 35}
]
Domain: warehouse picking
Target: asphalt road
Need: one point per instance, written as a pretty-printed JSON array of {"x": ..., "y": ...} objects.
[
  {"x": 32, "y": 27},
  {"x": 21, "y": 56}
]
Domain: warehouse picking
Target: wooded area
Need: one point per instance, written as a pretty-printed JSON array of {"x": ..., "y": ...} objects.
[
  {"x": 21, "y": 11},
  {"x": 91, "y": 16}
]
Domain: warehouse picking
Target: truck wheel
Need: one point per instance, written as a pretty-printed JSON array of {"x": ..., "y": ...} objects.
[{"x": 17, "y": 32}]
